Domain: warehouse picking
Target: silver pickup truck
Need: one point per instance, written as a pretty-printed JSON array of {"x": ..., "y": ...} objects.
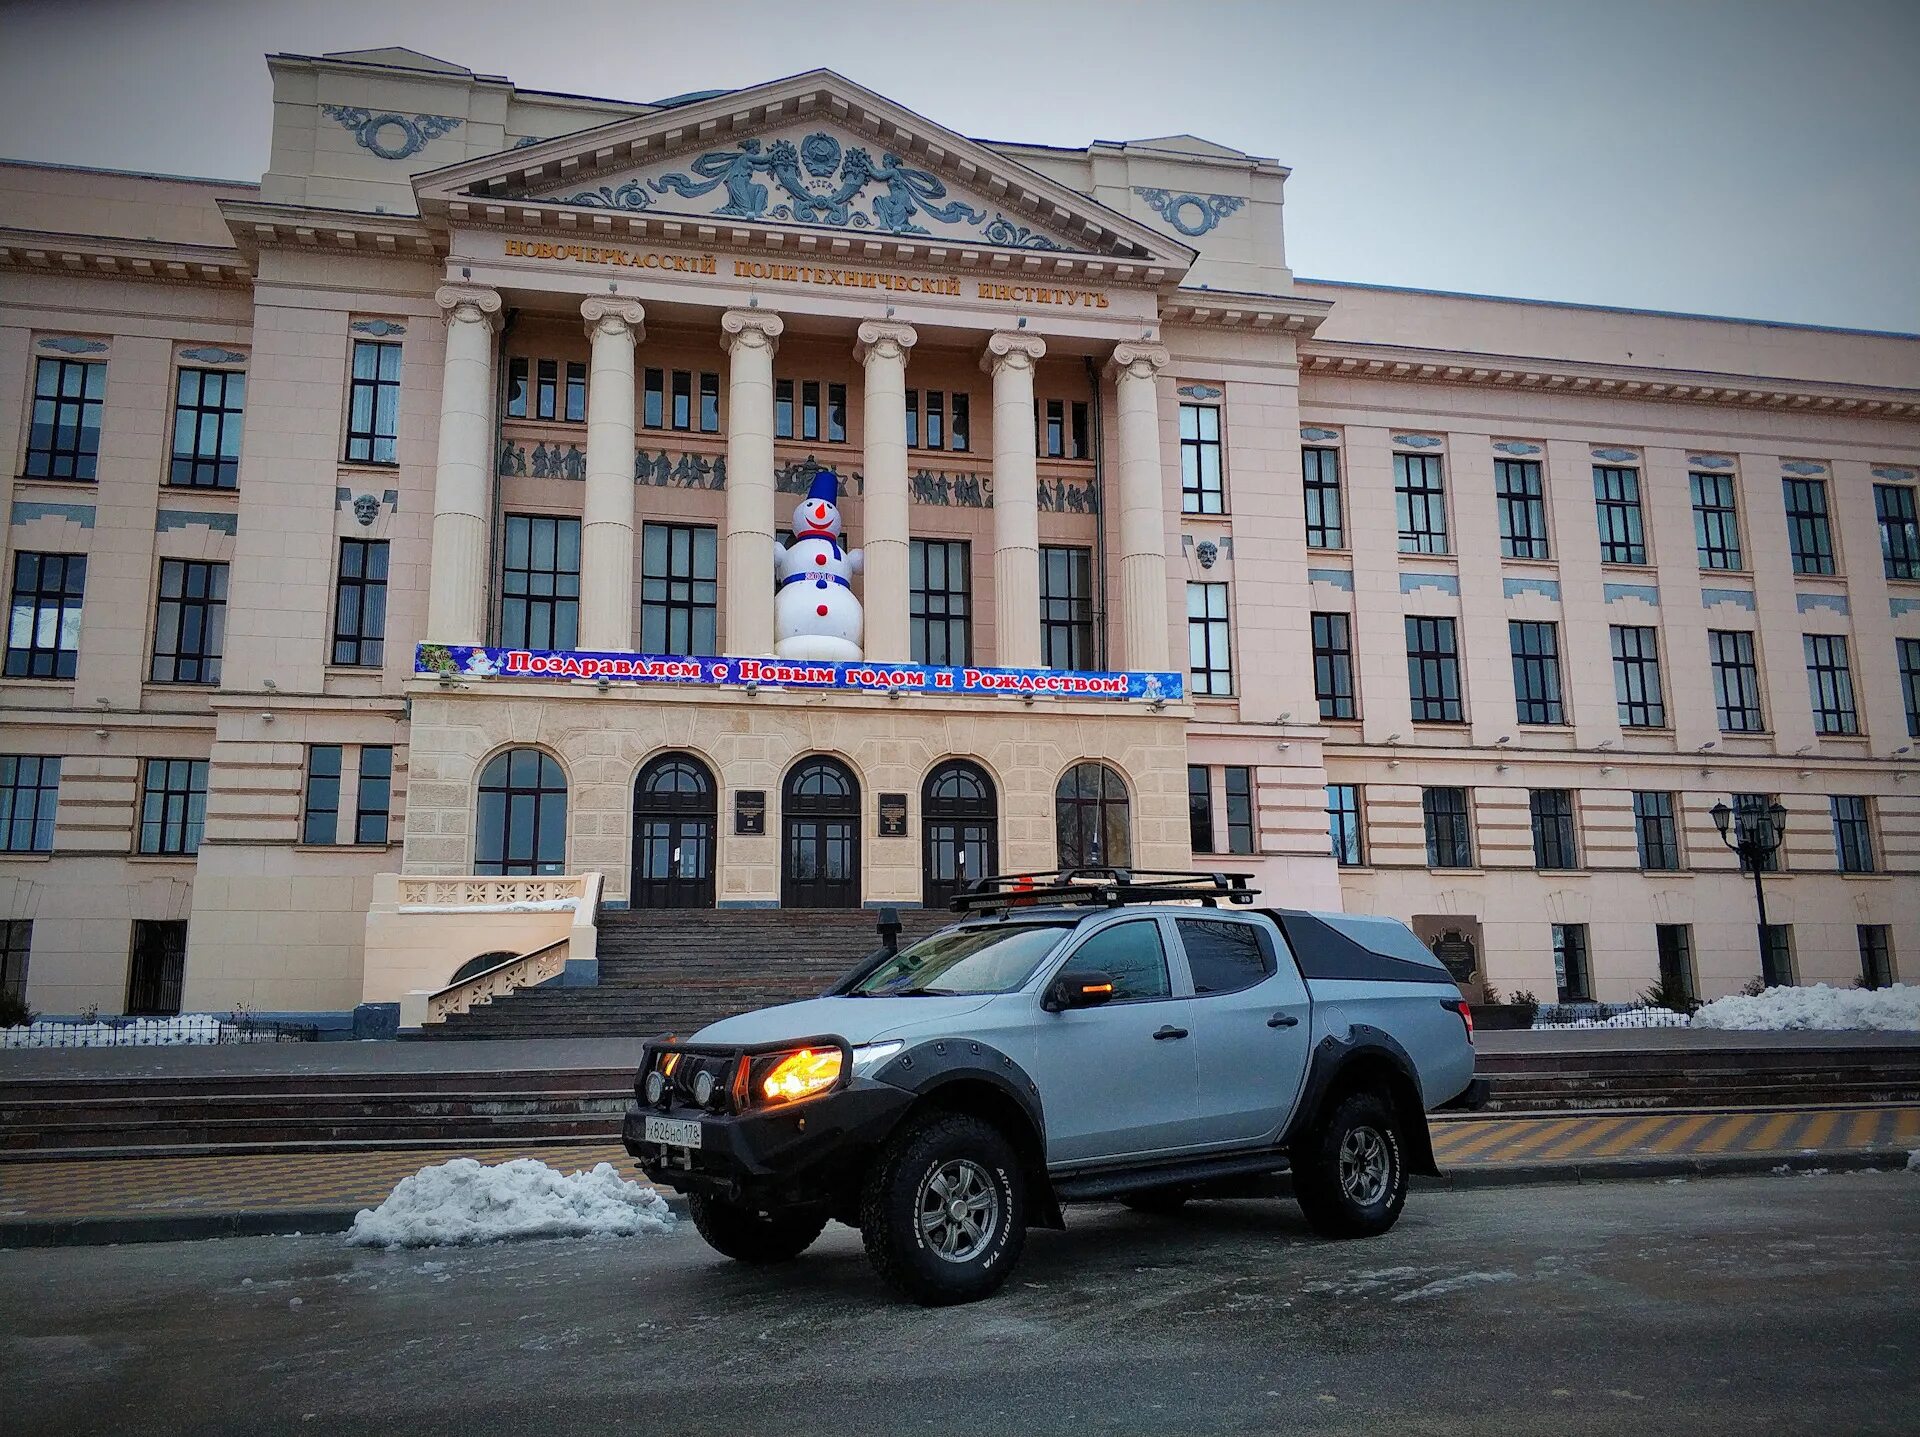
[{"x": 1085, "y": 1035}]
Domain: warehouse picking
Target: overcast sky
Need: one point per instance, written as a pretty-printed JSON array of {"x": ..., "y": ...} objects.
[{"x": 1744, "y": 157}]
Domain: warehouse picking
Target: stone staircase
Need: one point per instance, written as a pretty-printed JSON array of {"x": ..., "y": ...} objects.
[{"x": 672, "y": 971}]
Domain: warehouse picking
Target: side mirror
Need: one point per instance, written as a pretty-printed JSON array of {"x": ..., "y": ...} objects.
[{"x": 1082, "y": 988}]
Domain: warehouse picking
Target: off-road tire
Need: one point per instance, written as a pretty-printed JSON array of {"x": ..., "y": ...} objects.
[
  {"x": 1332, "y": 1209},
  {"x": 899, "y": 1182},
  {"x": 1161, "y": 1202},
  {"x": 747, "y": 1236}
]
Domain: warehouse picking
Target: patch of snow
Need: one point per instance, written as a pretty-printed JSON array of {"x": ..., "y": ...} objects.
[
  {"x": 465, "y": 1201},
  {"x": 1913, "y": 1161},
  {"x": 1442, "y": 1286},
  {"x": 532, "y": 905},
  {"x": 1819, "y": 1008},
  {"x": 1634, "y": 1018},
  {"x": 186, "y": 1029}
]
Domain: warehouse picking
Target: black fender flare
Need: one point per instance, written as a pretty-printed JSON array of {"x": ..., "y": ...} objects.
[{"x": 1365, "y": 1046}]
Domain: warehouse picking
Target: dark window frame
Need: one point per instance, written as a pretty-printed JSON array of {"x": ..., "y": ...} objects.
[
  {"x": 1420, "y": 503},
  {"x": 1673, "y": 948},
  {"x": 1519, "y": 487},
  {"x": 1092, "y": 788},
  {"x": 1333, "y": 686},
  {"x": 1209, "y": 641},
  {"x": 1572, "y": 963},
  {"x": 173, "y": 810},
  {"x": 1716, "y": 521},
  {"x": 373, "y": 404},
  {"x": 1776, "y": 955},
  {"x": 1344, "y": 829},
  {"x": 1433, "y": 669},
  {"x": 189, "y": 629},
  {"x": 1239, "y": 786},
  {"x": 1320, "y": 478},
  {"x": 59, "y": 605},
  {"x": 1809, "y": 525},
  {"x": 373, "y": 797},
  {"x": 1736, "y": 681},
  {"x": 1656, "y": 830},
  {"x": 1638, "y": 694},
  {"x": 29, "y": 802},
  {"x": 1906, "y": 660},
  {"x": 679, "y": 589},
  {"x": 653, "y": 398},
  {"x": 1836, "y": 711},
  {"x": 1616, "y": 505},
  {"x": 1875, "y": 941},
  {"x": 1446, "y": 815},
  {"x": 196, "y": 466},
  {"x": 1066, "y": 606},
  {"x": 940, "y": 601},
  {"x": 16, "y": 956},
  {"x": 1203, "y": 460},
  {"x": 320, "y": 805},
  {"x": 1200, "y": 808},
  {"x": 1853, "y": 846},
  {"x": 1895, "y": 511},
  {"x": 1556, "y": 829},
  {"x": 1539, "y": 696},
  {"x": 536, "y": 594},
  {"x": 523, "y": 802},
  {"x": 360, "y": 604},
  {"x": 65, "y": 419}
]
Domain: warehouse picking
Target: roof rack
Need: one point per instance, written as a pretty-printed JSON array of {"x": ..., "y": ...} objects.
[{"x": 1100, "y": 887}]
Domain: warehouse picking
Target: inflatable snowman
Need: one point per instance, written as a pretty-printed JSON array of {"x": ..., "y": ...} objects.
[{"x": 815, "y": 615}]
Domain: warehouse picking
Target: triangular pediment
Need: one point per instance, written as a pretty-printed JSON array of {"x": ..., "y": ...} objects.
[{"x": 814, "y": 153}]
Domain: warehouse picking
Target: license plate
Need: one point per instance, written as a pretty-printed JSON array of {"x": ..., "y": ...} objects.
[{"x": 674, "y": 1132}]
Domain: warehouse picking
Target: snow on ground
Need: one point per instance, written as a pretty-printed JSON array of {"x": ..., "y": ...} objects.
[
  {"x": 465, "y": 1201},
  {"x": 531, "y": 905},
  {"x": 1442, "y": 1286},
  {"x": 1817, "y": 1008},
  {"x": 1635, "y": 1018},
  {"x": 188, "y": 1028},
  {"x": 1913, "y": 1161}
]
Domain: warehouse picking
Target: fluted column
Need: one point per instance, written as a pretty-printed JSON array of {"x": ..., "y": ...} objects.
[
  {"x": 1143, "y": 528},
  {"x": 1010, "y": 359},
  {"x": 606, "y": 528},
  {"x": 462, "y": 483},
  {"x": 882, "y": 349},
  {"x": 750, "y": 337}
]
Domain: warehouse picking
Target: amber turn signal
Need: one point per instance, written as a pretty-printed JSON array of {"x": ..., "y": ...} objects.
[{"x": 801, "y": 1074}]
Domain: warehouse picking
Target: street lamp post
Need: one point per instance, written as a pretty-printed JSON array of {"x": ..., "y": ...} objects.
[{"x": 1755, "y": 834}]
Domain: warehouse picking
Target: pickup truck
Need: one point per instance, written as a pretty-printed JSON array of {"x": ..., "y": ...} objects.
[{"x": 1084, "y": 1035}]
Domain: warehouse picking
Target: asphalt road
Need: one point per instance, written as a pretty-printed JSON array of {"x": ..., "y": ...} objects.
[{"x": 1767, "y": 1304}]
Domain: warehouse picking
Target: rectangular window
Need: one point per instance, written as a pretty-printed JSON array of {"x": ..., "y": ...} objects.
[
  {"x": 654, "y": 399},
  {"x": 1906, "y": 656},
  {"x": 1555, "y": 840},
  {"x": 1636, "y": 676},
  {"x": 1852, "y": 834},
  {"x": 1776, "y": 955},
  {"x": 1657, "y": 832},
  {"x": 679, "y": 589},
  {"x": 1736, "y": 681},
  {"x": 1239, "y": 809},
  {"x": 29, "y": 795},
  {"x": 1449, "y": 836},
  {"x": 709, "y": 403},
  {"x": 1536, "y": 672},
  {"x": 546, "y": 393},
  {"x": 1053, "y": 443},
  {"x": 207, "y": 406},
  {"x": 1420, "y": 500},
  {"x": 1830, "y": 684},
  {"x": 936, "y": 419},
  {"x": 540, "y": 583},
  {"x": 1616, "y": 500},
  {"x": 1199, "y": 808},
  {"x": 373, "y": 404},
  {"x": 1078, "y": 444},
  {"x": 375, "y": 799},
  {"x": 320, "y": 824},
  {"x": 16, "y": 941},
  {"x": 173, "y": 805},
  {"x": 960, "y": 430},
  {"x": 1433, "y": 671},
  {"x": 913, "y": 419},
  {"x": 1343, "y": 824},
  {"x": 1754, "y": 806},
  {"x": 43, "y": 623},
  {"x": 63, "y": 440},
  {"x": 1333, "y": 665},
  {"x": 810, "y": 410},
  {"x": 576, "y": 410},
  {"x": 1209, "y": 663},
  {"x": 939, "y": 600},
  {"x": 836, "y": 414},
  {"x": 360, "y": 604},
  {"x": 1876, "y": 954},
  {"x": 517, "y": 388},
  {"x": 1201, "y": 490},
  {"x": 683, "y": 399},
  {"x": 1572, "y": 971},
  {"x": 1716, "y": 521},
  {"x": 1066, "y": 607},
  {"x": 783, "y": 408},
  {"x": 1809, "y": 530},
  {"x": 1320, "y": 469},
  {"x": 1523, "y": 509},
  {"x": 1674, "y": 943},
  {"x": 190, "y": 625},
  {"x": 1893, "y": 505}
]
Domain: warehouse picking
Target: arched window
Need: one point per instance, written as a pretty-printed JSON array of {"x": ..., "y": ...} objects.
[
  {"x": 676, "y": 813},
  {"x": 522, "y": 821},
  {"x": 820, "y": 822},
  {"x": 959, "y": 824},
  {"x": 1090, "y": 818}
]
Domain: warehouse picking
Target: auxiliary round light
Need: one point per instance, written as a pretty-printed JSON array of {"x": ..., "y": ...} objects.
[
  {"x": 703, "y": 1089},
  {"x": 656, "y": 1086}
]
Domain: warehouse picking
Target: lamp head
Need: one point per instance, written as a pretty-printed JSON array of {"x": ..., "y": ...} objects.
[{"x": 1722, "y": 815}]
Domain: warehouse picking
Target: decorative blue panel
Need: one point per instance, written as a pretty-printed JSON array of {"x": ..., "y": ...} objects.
[
  {"x": 1807, "y": 603},
  {"x": 1617, "y": 456},
  {"x": 1313, "y": 432},
  {"x": 1546, "y": 588},
  {"x": 1899, "y": 607},
  {"x": 630, "y": 196},
  {"x": 1646, "y": 593},
  {"x": 1739, "y": 598},
  {"x": 1508, "y": 446},
  {"x": 1339, "y": 578},
  {"x": 213, "y": 354},
  {"x": 67, "y": 344},
  {"x": 1193, "y": 215},
  {"x": 1882, "y": 471},
  {"x": 525, "y": 140},
  {"x": 391, "y": 136},
  {"x": 1201, "y": 391},
  {"x": 25, "y": 511},
  {"x": 1802, "y": 466},
  {"x": 379, "y": 328},
  {"x": 1445, "y": 583},
  {"x": 169, "y": 519},
  {"x": 1003, "y": 231},
  {"x": 1416, "y": 441},
  {"x": 1708, "y": 461}
]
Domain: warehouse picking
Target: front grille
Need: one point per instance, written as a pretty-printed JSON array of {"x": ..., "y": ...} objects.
[{"x": 691, "y": 1065}]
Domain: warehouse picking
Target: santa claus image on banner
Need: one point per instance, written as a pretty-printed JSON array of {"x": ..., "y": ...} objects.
[{"x": 815, "y": 614}]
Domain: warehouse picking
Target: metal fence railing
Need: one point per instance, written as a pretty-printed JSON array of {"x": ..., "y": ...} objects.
[
  {"x": 186, "y": 1030},
  {"x": 1612, "y": 1015}
]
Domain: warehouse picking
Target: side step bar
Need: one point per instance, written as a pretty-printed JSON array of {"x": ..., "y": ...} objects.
[{"x": 1109, "y": 1184}]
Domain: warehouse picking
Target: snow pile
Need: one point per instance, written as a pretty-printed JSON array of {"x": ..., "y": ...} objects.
[
  {"x": 464, "y": 1201},
  {"x": 188, "y": 1028},
  {"x": 1442, "y": 1286},
  {"x": 530, "y": 905},
  {"x": 1632, "y": 1018},
  {"x": 1913, "y": 1161},
  {"x": 1817, "y": 1008}
]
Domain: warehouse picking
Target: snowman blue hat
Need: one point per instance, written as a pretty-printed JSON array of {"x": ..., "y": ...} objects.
[{"x": 825, "y": 488}]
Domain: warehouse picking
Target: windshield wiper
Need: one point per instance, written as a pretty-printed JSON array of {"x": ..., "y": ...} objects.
[{"x": 915, "y": 993}]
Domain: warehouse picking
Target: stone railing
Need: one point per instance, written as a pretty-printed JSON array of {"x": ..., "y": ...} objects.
[
  {"x": 471, "y": 892},
  {"x": 498, "y": 981}
]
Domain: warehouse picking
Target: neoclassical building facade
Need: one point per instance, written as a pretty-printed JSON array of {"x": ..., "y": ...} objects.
[{"x": 392, "y": 545}]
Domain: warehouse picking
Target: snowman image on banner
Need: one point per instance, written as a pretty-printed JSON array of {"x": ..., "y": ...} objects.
[{"x": 815, "y": 614}]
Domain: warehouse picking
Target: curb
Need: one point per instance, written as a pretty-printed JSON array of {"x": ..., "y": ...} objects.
[{"x": 1499, "y": 1175}]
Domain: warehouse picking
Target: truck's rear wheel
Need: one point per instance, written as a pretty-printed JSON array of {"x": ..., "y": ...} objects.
[
  {"x": 1350, "y": 1174},
  {"x": 943, "y": 1213},
  {"x": 747, "y": 1236}
]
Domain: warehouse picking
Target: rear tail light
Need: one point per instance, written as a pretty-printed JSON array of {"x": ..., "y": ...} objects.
[{"x": 1464, "y": 1009}]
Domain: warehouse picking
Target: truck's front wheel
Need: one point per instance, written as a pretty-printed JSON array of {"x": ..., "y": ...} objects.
[
  {"x": 747, "y": 1236},
  {"x": 943, "y": 1212},
  {"x": 1350, "y": 1174}
]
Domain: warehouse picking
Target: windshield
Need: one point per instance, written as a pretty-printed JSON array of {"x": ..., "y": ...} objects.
[{"x": 997, "y": 959}]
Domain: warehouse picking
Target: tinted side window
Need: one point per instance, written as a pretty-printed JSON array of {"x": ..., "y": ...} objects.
[
  {"x": 1131, "y": 955},
  {"x": 1224, "y": 957}
]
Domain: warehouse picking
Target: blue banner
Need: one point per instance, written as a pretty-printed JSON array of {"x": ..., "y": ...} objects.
[{"x": 470, "y": 661}]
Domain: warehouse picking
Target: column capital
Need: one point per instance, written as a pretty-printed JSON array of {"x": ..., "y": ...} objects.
[
  {"x": 469, "y": 304},
  {"x": 612, "y": 316},
  {"x": 1012, "y": 347},
  {"x": 885, "y": 339},
  {"x": 1137, "y": 360},
  {"x": 751, "y": 329}
]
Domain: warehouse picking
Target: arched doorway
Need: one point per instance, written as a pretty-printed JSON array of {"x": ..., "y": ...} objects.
[
  {"x": 960, "y": 821},
  {"x": 1091, "y": 818},
  {"x": 820, "y": 838},
  {"x": 676, "y": 812}
]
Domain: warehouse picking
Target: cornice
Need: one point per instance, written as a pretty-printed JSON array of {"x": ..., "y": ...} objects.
[
  {"x": 1228, "y": 309},
  {"x": 104, "y": 257},
  {"x": 258, "y": 225}
]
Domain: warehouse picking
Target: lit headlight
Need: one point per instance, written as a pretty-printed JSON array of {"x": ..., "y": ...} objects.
[
  {"x": 801, "y": 1074},
  {"x": 869, "y": 1056}
]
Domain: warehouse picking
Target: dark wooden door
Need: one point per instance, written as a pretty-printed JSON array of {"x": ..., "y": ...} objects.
[
  {"x": 959, "y": 821},
  {"x": 157, "y": 968},
  {"x": 675, "y": 818},
  {"x": 820, "y": 836}
]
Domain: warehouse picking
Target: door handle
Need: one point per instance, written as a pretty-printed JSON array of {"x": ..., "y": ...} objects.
[
  {"x": 1283, "y": 1020},
  {"x": 1170, "y": 1032}
]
